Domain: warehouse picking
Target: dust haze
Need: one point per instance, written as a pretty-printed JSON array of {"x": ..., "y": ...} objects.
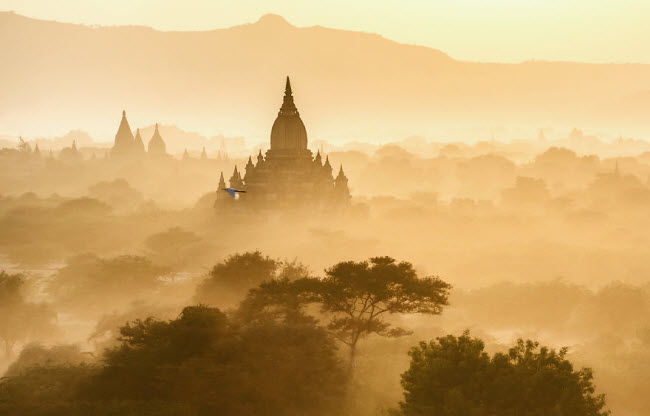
[{"x": 133, "y": 282}]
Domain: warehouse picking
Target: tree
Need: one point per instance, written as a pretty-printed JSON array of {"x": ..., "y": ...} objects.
[
  {"x": 201, "y": 363},
  {"x": 213, "y": 365},
  {"x": 453, "y": 376},
  {"x": 90, "y": 283},
  {"x": 357, "y": 296},
  {"x": 21, "y": 320},
  {"x": 230, "y": 280}
]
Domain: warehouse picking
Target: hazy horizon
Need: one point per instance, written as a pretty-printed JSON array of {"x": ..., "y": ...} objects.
[
  {"x": 469, "y": 30},
  {"x": 77, "y": 77}
]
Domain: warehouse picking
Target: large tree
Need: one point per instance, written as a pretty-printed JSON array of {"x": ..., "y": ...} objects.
[
  {"x": 454, "y": 376},
  {"x": 201, "y": 363},
  {"x": 356, "y": 297}
]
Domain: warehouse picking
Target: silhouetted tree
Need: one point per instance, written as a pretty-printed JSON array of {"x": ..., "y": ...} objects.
[
  {"x": 212, "y": 365},
  {"x": 201, "y": 363},
  {"x": 21, "y": 320},
  {"x": 454, "y": 376},
  {"x": 230, "y": 280},
  {"x": 357, "y": 296}
]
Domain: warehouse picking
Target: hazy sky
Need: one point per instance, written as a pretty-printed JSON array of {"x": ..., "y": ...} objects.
[{"x": 477, "y": 30}]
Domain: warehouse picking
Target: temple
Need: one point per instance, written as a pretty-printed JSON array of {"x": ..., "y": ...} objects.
[
  {"x": 288, "y": 175},
  {"x": 128, "y": 147}
]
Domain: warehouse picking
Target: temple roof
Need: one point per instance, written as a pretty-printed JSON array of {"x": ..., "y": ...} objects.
[
  {"x": 124, "y": 137},
  {"x": 288, "y": 131},
  {"x": 157, "y": 144},
  {"x": 138, "y": 143}
]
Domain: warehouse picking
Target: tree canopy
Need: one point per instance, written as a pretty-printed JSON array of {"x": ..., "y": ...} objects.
[
  {"x": 230, "y": 280},
  {"x": 199, "y": 363},
  {"x": 92, "y": 283},
  {"x": 455, "y": 376},
  {"x": 356, "y": 296}
]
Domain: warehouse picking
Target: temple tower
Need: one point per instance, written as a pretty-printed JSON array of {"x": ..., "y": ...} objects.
[
  {"x": 124, "y": 141},
  {"x": 156, "y": 145},
  {"x": 341, "y": 190},
  {"x": 138, "y": 144}
]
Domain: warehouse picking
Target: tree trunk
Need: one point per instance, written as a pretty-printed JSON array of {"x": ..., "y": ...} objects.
[{"x": 352, "y": 361}]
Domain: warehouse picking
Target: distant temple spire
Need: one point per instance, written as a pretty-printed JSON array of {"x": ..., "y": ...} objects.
[
  {"x": 318, "y": 159},
  {"x": 236, "y": 180},
  {"x": 156, "y": 145},
  {"x": 186, "y": 155},
  {"x": 220, "y": 194},
  {"x": 124, "y": 141},
  {"x": 327, "y": 163},
  {"x": 341, "y": 189},
  {"x": 204, "y": 155},
  {"x": 250, "y": 168},
  {"x": 288, "y": 106},
  {"x": 138, "y": 144}
]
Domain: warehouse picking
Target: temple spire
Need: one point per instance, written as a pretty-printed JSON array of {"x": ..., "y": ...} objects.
[
  {"x": 138, "y": 144},
  {"x": 288, "y": 106},
  {"x": 287, "y": 87}
]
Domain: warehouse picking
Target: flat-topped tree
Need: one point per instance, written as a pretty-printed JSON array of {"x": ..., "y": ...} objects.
[{"x": 356, "y": 297}]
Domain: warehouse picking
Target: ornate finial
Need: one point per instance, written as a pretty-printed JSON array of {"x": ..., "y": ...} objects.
[
  {"x": 123, "y": 113},
  {"x": 156, "y": 126},
  {"x": 288, "y": 106},
  {"x": 287, "y": 87}
]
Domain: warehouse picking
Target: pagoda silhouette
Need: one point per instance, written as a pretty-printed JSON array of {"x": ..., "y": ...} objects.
[{"x": 288, "y": 175}]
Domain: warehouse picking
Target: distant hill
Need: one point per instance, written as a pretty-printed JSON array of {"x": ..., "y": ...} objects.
[{"x": 348, "y": 85}]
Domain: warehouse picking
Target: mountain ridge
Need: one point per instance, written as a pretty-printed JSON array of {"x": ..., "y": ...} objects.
[{"x": 348, "y": 85}]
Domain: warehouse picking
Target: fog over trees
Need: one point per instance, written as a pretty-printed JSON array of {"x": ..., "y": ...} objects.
[{"x": 111, "y": 268}]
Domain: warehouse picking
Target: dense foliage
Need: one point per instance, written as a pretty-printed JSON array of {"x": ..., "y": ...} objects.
[
  {"x": 230, "y": 280},
  {"x": 200, "y": 363},
  {"x": 454, "y": 376},
  {"x": 355, "y": 297}
]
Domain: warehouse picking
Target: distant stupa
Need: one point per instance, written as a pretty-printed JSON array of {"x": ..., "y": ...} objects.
[
  {"x": 156, "y": 146},
  {"x": 124, "y": 141},
  {"x": 138, "y": 144}
]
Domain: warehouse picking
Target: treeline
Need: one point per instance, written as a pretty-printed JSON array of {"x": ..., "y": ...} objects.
[{"x": 288, "y": 347}]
